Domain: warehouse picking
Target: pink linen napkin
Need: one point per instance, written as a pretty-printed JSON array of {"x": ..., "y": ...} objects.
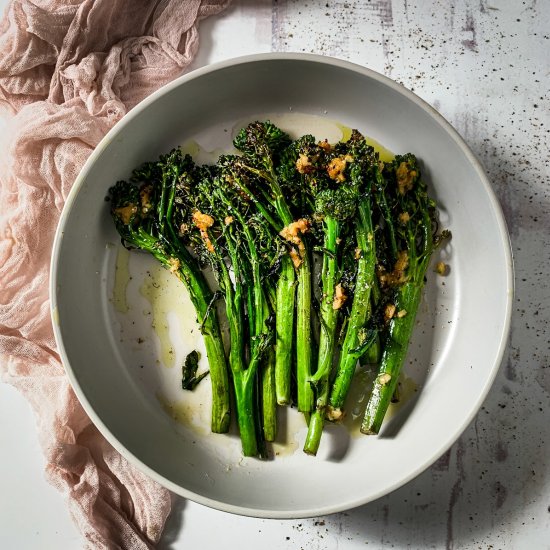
[{"x": 69, "y": 70}]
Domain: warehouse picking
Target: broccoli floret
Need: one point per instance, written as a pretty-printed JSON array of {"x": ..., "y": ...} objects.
[{"x": 143, "y": 211}]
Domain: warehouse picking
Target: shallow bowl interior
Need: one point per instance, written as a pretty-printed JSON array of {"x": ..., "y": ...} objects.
[{"x": 114, "y": 366}]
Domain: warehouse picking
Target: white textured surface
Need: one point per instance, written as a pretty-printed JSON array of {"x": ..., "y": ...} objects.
[{"x": 484, "y": 65}]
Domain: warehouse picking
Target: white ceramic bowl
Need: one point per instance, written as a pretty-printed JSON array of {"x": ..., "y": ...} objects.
[{"x": 118, "y": 334}]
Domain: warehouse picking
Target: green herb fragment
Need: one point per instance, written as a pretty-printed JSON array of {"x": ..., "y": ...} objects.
[{"x": 190, "y": 380}]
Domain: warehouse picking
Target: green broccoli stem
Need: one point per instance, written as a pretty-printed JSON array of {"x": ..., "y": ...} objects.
[
  {"x": 243, "y": 378},
  {"x": 269, "y": 393},
  {"x": 258, "y": 315},
  {"x": 372, "y": 354},
  {"x": 360, "y": 311},
  {"x": 244, "y": 381},
  {"x": 382, "y": 202},
  {"x": 407, "y": 299},
  {"x": 269, "y": 398},
  {"x": 302, "y": 297},
  {"x": 284, "y": 329},
  {"x": 201, "y": 297},
  {"x": 266, "y": 410},
  {"x": 303, "y": 336},
  {"x": 303, "y": 310},
  {"x": 244, "y": 388},
  {"x": 247, "y": 405},
  {"x": 329, "y": 319},
  {"x": 286, "y": 284},
  {"x": 207, "y": 317},
  {"x": 314, "y": 431},
  {"x": 393, "y": 357},
  {"x": 328, "y": 313}
]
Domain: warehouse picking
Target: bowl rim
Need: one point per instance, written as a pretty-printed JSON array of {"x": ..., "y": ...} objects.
[{"x": 198, "y": 73}]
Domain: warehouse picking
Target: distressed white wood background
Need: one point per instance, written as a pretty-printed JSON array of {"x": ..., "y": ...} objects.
[{"x": 485, "y": 65}]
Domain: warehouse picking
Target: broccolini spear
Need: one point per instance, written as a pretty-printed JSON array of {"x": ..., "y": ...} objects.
[
  {"x": 301, "y": 163},
  {"x": 239, "y": 182},
  {"x": 261, "y": 250},
  {"x": 262, "y": 144},
  {"x": 335, "y": 207},
  {"x": 313, "y": 174},
  {"x": 359, "y": 334},
  {"x": 141, "y": 210},
  {"x": 412, "y": 237},
  {"x": 216, "y": 223}
]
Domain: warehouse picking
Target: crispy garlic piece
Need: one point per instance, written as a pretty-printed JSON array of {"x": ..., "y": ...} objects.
[
  {"x": 389, "y": 312},
  {"x": 337, "y": 166},
  {"x": 334, "y": 415},
  {"x": 405, "y": 177},
  {"x": 174, "y": 265},
  {"x": 397, "y": 276},
  {"x": 340, "y": 297},
  {"x": 203, "y": 222},
  {"x": 291, "y": 233},
  {"x": 441, "y": 268},
  {"x": 125, "y": 213},
  {"x": 145, "y": 198},
  {"x": 303, "y": 164}
]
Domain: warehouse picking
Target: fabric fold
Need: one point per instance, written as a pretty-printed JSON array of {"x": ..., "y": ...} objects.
[{"x": 69, "y": 70}]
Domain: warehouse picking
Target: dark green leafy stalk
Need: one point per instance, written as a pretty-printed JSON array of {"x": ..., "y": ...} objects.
[
  {"x": 361, "y": 334},
  {"x": 356, "y": 335},
  {"x": 140, "y": 215},
  {"x": 269, "y": 397},
  {"x": 243, "y": 377},
  {"x": 374, "y": 352},
  {"x": 269, "y": 392},
  {"x": 237, "y": 305},
  {"x": 227, "y": 234},
  {"x": 297, "y": 187},
  {"x": 197, "y": 215},
  {"x": 284, "y": 320},
  {"x": 414, "y": 232},
  {"x": 393, "y": 357},
  {"x": 260, "y": 331},
  {"x": 174, "y": 167},
  {"x": 337, "y": 177},
  {"x": 336, "y": 207},
  {"x": 261, "y": 145},
  {"x": 328, "y": 315},
  {"x": 189, "y": 379},
  {"x": 303, "y": 336},
  {"x": 389, "y": 225}
]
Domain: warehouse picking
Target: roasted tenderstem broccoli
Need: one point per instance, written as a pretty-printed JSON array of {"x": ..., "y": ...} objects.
[
  {"x": 223, "y": 229},
  {"x": 411, "y": 231},
  {"x": 264, "y": 150},
  {"x": 142, "y": 210},
  {"x": 261, "y": 221},
  {"x": 342, "y": 204}
]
